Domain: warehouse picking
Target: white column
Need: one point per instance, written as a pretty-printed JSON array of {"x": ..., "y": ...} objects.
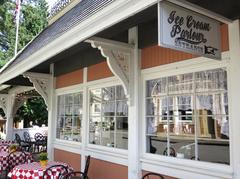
[
  {"x": 84, "y": 120},
  {"x": 9, "y": 115},
  {"x": 133, "y": 121},
  {"x": 51, "y": 114},
  {"x": 234, "y": 95}
]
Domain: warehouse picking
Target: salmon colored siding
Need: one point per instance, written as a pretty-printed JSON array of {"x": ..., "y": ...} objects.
[
  {"x": 72, "y": 159},
  {"x": 156, "y": 55},
  {"x": 72, "y": 78},
  {"x": 165, "y": 177},
  {"x": 99, "y": 71},
  {"x": 224, "y": 37},
  {"x": 100, "y": 169}
]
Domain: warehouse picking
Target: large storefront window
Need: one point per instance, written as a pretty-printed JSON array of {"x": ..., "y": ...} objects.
[
  {"x": 187, "y": 116},
  {"x": 108, "y": 117},
  {"x": 69, "y": 116}
]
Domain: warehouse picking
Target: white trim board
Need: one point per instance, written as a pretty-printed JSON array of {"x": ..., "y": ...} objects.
[{"x": 112, "y": 14}]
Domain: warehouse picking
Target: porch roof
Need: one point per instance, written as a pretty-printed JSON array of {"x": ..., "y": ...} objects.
[{"x": 83, "y": 11}]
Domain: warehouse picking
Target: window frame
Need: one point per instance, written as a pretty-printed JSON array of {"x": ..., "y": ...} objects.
[
  {"x": 103, "y": 83},
  {"x": 183, "y": 67},
  {"x": 65, "y": 91}
]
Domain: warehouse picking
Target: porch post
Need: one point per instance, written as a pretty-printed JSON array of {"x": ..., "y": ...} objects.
[
  {"x": 9, "y": 115},
  {"x": 133, "y": 121},
  {"x": 51, "y": 114},
  {"x": 234, "y": 95}
]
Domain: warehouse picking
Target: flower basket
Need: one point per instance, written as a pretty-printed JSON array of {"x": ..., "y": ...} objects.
[{"x": 43, "y": 163}]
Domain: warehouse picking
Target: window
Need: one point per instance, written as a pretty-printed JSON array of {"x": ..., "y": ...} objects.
[
  {"x": 108, "y": 117},
  {"x": 69, "y": 116},
  {"x": 187, "y": 116}
]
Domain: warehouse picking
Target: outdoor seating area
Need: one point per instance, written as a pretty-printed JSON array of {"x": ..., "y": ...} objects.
[{"x": 18, "y": 162}]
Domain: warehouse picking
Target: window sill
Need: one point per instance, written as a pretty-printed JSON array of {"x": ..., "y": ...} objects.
[
  {"x": 114, "y": 155},
  {"x": 70, "y": 146},
  {"x": 184, "y": 168}
]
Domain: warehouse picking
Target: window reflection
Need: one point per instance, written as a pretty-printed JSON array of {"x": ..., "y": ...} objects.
[
  {"x": 187, "y": 116},
  {"x": 108, "y": 117},
  {"x": 69, "y": 117}
]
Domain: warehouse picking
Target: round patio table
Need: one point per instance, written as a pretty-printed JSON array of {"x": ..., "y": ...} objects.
[
  {"x": 15, "y": 157},
  {"x": 35, "y": 171}
]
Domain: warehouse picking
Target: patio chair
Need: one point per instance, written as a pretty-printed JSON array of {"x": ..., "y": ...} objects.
[
  {"x": 21, "y": 143},
  {"x": 27, "y": 140},
  {"x": 152, "y": 175},
  {"x": 75, "y": 175},
  {"x": 14, "y": 159},
  {"x": 40, "y": 141},
  {"x": 172, "y": 152},
  {"x": 87, "y": 166},
  {"x": 55, "y": 170}
]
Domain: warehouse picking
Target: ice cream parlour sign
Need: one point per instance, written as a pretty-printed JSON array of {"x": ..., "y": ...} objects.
[{"x": 185, "y": 30}]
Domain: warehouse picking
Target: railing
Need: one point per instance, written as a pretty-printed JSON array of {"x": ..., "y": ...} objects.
[{"x": 32, "y": 131}]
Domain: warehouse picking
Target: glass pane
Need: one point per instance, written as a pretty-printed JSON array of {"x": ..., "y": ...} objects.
[
  {"x": 69, "y": 99},
  {"x": 76, "y": 110},
  {"x": 156, "y": 106},
  {"x": 156, "y": 87},
  {"x": 95, "y": 109},
  {"x": 122, "y": 140},
  {"x": 108, "y": 93},
  {"x": 61, "y": 111},
  {"x": 122, "y": 108},
  {"x": 120, "y": 93},
  {"x": 61, "y": 100},
  {"x": 211, "y": 80},
  {"x": 95, "y": 130},
  {"x": 95, "y": 96},
  {"x": 108, "y": 108},
  {"x": 122, "y": 123},
  {"x": 77, "y": 98},
  {"x": 180, "y": 84}
]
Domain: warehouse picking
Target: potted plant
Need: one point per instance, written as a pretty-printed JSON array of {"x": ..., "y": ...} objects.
[
  {"x": 13, "y": 147},
  {"x": 43, "y": 159}
]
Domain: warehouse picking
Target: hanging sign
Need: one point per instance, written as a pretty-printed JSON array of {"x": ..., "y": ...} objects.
[{"x": 188, "y": 31}]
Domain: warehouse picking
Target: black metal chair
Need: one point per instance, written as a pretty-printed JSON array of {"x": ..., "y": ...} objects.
[
  {"x": 87, "y": 166},
  {"x": 56, "y": 170},
  {"x": 75, "y": 175},
  {"x": 152, "y": 175},
  {"x": 172, "y": 152},
  {"x": 21, "y": 143},
  {"x": 40, "y": 141},
  {"x": 12, "y": 162},
  {"x": 27, "y": 140}
]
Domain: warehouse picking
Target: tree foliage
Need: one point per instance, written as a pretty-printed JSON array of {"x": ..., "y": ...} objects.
[
  {"x": 33, "y": 110},
  {"x": 33, "y": 19}
]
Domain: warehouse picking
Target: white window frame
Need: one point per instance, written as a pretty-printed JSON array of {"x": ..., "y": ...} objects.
[
  {"x": 183, "y": 167},
  {"x": 71, "y": 146},
  {"x": 103, "y": 83},
  {"x": 115, "y": 155}
]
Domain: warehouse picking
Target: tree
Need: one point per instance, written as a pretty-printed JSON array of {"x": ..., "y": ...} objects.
[
  {"x": 33, "y": 110},
  {"x": 33, "y": 19}
]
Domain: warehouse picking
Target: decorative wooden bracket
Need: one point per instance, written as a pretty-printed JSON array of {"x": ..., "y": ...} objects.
[
  {"x": 17, "y": 104},
  {"x": 3, "y": 102},
  {"x": 41, "y": 83},
  {"x": 118, "y": 57}
]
